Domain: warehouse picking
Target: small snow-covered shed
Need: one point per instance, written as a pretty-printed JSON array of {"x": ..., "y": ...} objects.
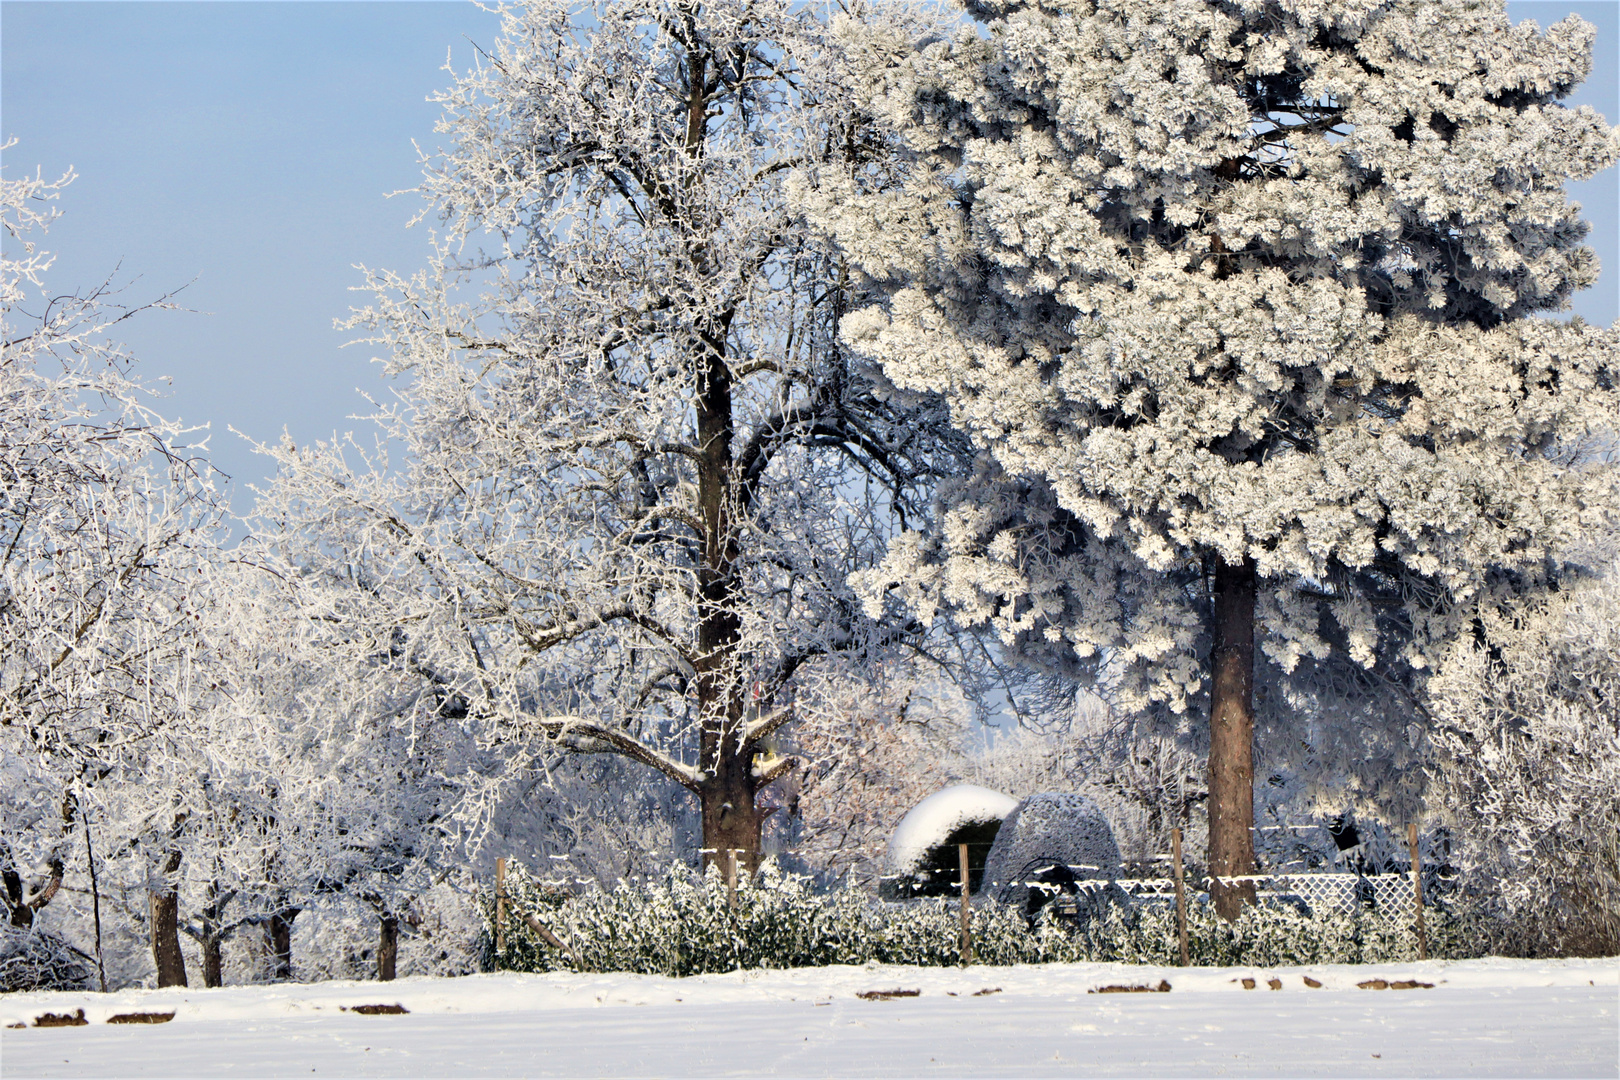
[
  {"x": 1055, "y": 833},
  {"x": 923, "y": 857}
]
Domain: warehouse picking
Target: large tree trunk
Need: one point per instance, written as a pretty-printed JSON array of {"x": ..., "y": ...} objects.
[
  {"x": 726, "y": 797},
  {"x": 730, "y": 820},
  {"x": 171, "y": 963},
  {"x": 387, "y": 947},
  {"x": 278, "y": 934},
  {"x": 1231, "y": 738}
]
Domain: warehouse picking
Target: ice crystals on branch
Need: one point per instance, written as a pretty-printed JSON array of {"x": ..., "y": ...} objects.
[{"x": 637, "y": 465}]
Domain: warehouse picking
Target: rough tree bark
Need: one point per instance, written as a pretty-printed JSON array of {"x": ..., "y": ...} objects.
[
  {"x": 387, "y": 947},
  {"x": 278, "y": 935},
  {"x": 1231, "y": 737},
  {"x": 171, "y": 963},
  {"x": 726, "y": 796},
  {"x": 23, "y": 903},
  {"x": 213, "y": 936},
  {"x": 213, "y": 963}
]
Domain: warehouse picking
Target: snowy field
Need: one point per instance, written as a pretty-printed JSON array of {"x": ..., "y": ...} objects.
[{"x": 1480, "y": 1018}]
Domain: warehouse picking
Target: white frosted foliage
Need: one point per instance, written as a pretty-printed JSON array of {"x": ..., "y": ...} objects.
[
  {"x": 1224, "y": 282},
  {"x": 632, "y": 467}
]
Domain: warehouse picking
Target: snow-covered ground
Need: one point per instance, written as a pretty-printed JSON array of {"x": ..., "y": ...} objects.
[{"x": 1481, "y": 1018}]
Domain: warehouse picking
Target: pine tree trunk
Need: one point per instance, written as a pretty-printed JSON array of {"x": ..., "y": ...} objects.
[
  {"x": 1231, "y": 738},
  {"x": 171, "y": 963},
  {"x": 387, "y": 947}
]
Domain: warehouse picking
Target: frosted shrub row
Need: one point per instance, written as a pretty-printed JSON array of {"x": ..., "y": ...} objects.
[{"x": 686, "y": 925}]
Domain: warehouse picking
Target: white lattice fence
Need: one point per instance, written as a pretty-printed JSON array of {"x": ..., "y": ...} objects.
[
  {"x": 1390, "y": 894},
  {"x": 1324, "y": 893}
]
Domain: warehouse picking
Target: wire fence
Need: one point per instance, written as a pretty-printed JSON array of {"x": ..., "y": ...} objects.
[
  {"x": 1390, "y": 890},
  {"x": 1318, "y": 892},
  {"x": 1321, "y": 893}
]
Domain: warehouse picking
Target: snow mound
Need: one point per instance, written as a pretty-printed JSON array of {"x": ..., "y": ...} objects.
[
  {"x": 1054, "y": 827},
  {"x": 934, "y": 819}
]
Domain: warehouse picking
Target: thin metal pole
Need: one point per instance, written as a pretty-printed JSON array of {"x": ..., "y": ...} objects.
[{"x": 1181, "y": 895}]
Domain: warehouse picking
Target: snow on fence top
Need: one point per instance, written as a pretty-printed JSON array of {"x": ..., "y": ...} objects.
[{"x": 931, "y": 821}]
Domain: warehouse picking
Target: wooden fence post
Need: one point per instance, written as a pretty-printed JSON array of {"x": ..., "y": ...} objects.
[
  {"x": 1417, "y": 890},
  {"x": 1181, "y": 896},
  {"x": 500, "y": 908},
  {"x": 967, "y": 910}
]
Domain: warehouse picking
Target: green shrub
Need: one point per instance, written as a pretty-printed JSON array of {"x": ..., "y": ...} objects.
[{"x": 684, "y": 925}]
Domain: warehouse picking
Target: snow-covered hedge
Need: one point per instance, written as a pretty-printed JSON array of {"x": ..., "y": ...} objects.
[{"x": 683, "y": 925}]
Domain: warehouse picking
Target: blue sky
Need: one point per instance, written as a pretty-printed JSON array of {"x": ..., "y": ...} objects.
[{"x": 246, "y": 147}]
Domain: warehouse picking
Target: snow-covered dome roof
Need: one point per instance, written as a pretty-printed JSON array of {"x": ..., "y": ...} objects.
[{"x": 933, "y": 820}]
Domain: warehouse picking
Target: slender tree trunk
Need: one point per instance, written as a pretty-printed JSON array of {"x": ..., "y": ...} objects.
[
  {"x": 387, "y": 947},
  {"x": 213, "y": 937},
  {"x": 1231, "y": 738},
  {"x": 171, "y": 963},
  {"x": 213, "y": 962},
  {"x": 95, "y": 903},
  {"x": 278, "y": 934},
  {"x": 21, "y": 915}
]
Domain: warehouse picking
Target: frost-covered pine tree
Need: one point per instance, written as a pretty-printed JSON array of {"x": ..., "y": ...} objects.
[
  {"x": 1239, "y": 300},
  {"x": 636, "y": 466}
]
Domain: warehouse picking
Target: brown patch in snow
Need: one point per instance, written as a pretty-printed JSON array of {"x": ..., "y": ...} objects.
[
  {"x": 74, "y": 1019},
  {"x": 376, "y": 1010},
  {"x": 1162, "y": 988},
  {"x": 141, "y": 1018}
]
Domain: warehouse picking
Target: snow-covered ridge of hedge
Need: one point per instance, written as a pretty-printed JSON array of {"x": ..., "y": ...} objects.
[{"x": 686, "y": 925}]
